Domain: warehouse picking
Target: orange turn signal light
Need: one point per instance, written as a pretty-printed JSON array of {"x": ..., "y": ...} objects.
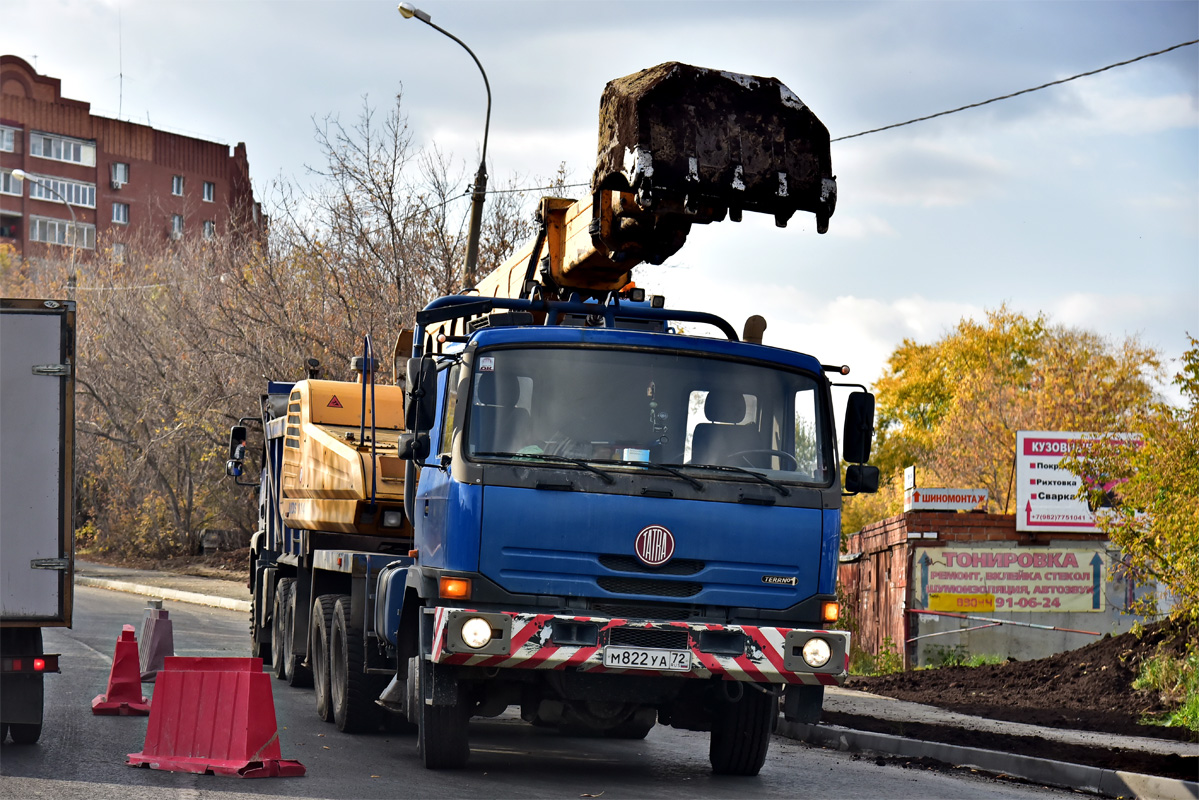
[
  {"x": 829, "y": 611},
  {"x": 454, "y": 588}
]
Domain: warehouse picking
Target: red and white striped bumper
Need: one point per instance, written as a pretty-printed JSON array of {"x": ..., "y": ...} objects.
[{"x": 772, "y": 655}]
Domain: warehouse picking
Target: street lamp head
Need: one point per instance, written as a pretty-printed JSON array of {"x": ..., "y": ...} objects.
[
  {"x": 408, "y": 11},
  {"x": 20, "y": 174}
]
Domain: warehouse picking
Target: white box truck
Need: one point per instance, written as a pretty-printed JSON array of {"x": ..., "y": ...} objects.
[{"x": 37, "y": 430}]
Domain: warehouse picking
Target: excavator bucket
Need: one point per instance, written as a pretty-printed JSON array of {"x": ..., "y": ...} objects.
[{"x": 696, "y": 143}]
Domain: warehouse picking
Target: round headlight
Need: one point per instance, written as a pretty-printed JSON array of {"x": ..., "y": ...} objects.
[
  {"x": 476, "y": 632},
  {"x": 816, "y": 652}
]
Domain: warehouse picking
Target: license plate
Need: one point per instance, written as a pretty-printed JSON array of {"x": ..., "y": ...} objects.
[{"x": 647, "y": 658}]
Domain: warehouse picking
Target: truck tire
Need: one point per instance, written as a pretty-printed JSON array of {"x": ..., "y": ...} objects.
[
  {"x": 352, "y": 690},
  {"x": 258, "y": 648},
  {"x": 298, "y": 675},
  {"x": 441, "y": 736},
  {"x": 26, "y": 642},
  {"x": 741, "y": 732},
  {"x": 279, "y": 627},
  {"x": 25, "y": 732},
  {"x": 318, "y": 648}
]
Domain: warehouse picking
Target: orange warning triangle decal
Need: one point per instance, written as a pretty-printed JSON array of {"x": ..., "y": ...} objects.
[{"x": 334, "y": 403}]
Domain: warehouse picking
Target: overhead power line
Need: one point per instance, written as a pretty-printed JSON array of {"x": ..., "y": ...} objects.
[{"x": 1022, "y": 91}]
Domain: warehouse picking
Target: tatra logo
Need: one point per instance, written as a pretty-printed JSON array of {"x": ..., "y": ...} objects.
[{"x": 654, "y": 546}]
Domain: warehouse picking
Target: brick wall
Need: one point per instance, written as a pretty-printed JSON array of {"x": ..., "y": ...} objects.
[{"x": 875, "y": 571}]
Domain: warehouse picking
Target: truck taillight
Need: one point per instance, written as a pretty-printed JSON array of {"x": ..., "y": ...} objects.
[
  {"x": 28, "y": 665},
  {"x": 830, "y": 611}
]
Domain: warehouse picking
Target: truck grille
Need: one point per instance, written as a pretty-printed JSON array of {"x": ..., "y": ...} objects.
[
  {"x": 645, "y": 637},
  {"x": 664, "y": 611},
  {"x": 679, "y": 566},
  {"x": 651, "y": 587}
]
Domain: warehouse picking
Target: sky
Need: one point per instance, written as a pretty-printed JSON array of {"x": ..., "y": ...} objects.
[{"x": 1080, "y": 201}]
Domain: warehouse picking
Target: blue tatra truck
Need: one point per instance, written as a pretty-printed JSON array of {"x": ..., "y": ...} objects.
[{"x": 567, "y": 501}]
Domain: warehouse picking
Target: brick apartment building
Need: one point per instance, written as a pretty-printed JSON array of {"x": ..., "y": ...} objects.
[{"x": 125, "y": 182}]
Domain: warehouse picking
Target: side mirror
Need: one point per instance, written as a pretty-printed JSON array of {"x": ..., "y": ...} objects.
[
  {"x": 413, "y": 446},
  {"x": 859, "y": 427},
  {"x": 420, "y": 394},
  {"x": 861, "y": 479},
  {"x": 237, "y": 451}
]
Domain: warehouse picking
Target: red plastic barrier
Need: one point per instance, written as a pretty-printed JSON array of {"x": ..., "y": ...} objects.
[
  {"x": 214, "y": 716},
  {"x": 124, "y": 695}
]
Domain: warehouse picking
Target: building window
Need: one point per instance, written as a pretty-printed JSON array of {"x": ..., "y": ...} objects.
[
  {"x": 10, "y": 226},
  {"x": 209, "y": 191},
  {"x": 120, "y": 174},
  {"x": 176, "y": 226},
  {"x": 209, "y": 229},
  {"x": 60, "y": 148},
  {"x": 177, "y": 185},
  {"x": 61, "y": 231},
  {"x": 120, "y": 213},
  {"x": 54, "y": 190},
  {"x": 118, "y": 252},
  {"x": 9, "y": 184},
  {"x": 8, "y": 139}
]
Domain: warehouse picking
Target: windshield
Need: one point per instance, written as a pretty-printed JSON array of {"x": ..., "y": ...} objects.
[{"x": 648, "y": 407}]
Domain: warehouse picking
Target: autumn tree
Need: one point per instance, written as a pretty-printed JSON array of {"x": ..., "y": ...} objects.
[
  {"x": 1154, "y": 511},
  {"x": 175, "y": 338},
  {"x": 952, "y": 407}
]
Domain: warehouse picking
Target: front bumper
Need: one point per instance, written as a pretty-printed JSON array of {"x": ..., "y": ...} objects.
[{"x": 536, "y": 641}]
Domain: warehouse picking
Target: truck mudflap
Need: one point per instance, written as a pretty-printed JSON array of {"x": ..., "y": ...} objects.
[{"x": 685, "y": 649}]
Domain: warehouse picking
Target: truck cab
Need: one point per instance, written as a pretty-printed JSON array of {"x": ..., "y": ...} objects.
[{"x": 618, "y": 511}]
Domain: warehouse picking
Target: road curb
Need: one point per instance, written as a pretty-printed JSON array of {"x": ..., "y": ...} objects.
[
  {"x": 1096, "y": 780},
  {"x": 167, "y": 594}
]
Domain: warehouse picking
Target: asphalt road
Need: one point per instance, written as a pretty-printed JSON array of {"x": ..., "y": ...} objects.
[{"x": 83, "y": 756}]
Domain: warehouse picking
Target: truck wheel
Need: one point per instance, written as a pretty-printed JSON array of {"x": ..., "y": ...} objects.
[
  {"x": 279, "y": 627},
  {"x": 298, "y": 675},
  {"x": 352, "y": 690},
  {"x": 28, "y": 690},
  {"x": 258, "y": 648},
  {"x": 741, "y": 733},
  {"x": 25, "y": 733},
  {"x": 441, "y": 735},
  {"x": 322, "y": 623}
]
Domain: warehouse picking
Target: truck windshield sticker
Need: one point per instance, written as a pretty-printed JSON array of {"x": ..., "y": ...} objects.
[{"x": 486, "y": 364}]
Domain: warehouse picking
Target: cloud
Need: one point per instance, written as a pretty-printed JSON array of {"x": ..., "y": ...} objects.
[
  {"x": 848, "y": 329},
  {"x": 922, "y": 172},
  {"x": 863, "y": 227}
]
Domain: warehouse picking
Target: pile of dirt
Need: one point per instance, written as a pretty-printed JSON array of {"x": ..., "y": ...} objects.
[{"x": 1085, "y": 689}]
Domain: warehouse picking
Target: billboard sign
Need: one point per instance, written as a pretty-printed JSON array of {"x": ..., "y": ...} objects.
[
  {"x": 1045, "y": 490},
  {"x": 920, "y": 498},
  {"x": 1009, "y": 579}
]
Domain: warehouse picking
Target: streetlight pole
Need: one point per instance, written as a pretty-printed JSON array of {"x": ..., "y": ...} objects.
[
  {"x": 22, "y": 175},
  {"x": 479, "y": 195}
]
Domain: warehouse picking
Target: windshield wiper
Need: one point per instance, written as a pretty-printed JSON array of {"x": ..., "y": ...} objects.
[
  {"x": 579, "y": 462},
  {"x": 699, "y": 487},
  {"x": 778, "y": 487}
]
